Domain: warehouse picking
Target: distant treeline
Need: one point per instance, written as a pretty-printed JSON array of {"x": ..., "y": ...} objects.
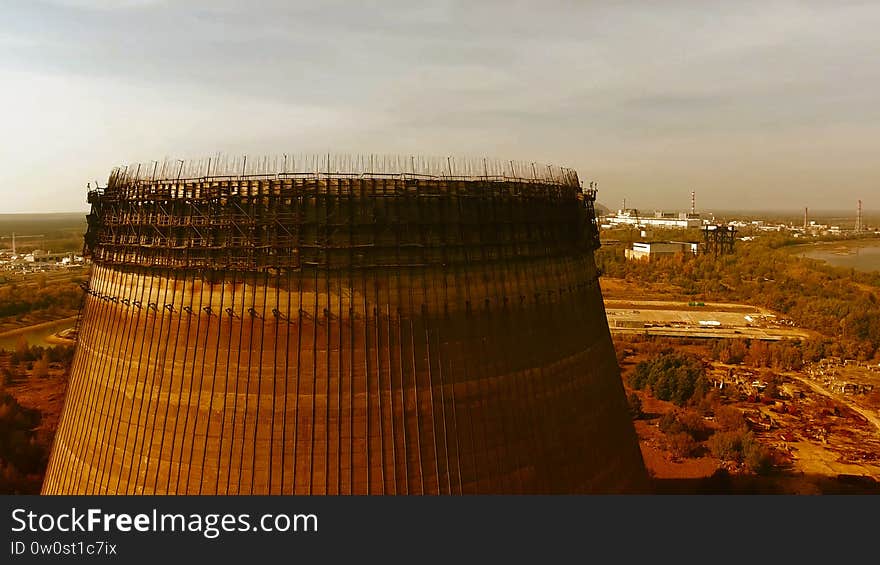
[
  {"x": 844, "y": 218},
  {"x": 60, "y": 232},
  {"x": 44, "y": 224},
  {"x": 26, "y": 355},
  {"x": 55, "y": 298}
]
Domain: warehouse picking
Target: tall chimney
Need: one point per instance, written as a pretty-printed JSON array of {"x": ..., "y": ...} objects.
[{"x": 859, "y": 217}]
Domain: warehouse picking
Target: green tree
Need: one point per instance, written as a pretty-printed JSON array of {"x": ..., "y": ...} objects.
[
  {"x": 41, "y": 367},
  {"x": 730, "y": 418},
  {"x": 681, "y": 444},
  {"x": 726, "y": 446},
  {"x": 635, "y": 406},
  {"x": 671, "y": 376},
  {"x": 22, "y": 350},
  {"x": 756, "y": 457}
]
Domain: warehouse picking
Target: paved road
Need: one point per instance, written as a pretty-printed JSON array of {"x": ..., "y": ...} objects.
[{"x": 677, "y": 319}]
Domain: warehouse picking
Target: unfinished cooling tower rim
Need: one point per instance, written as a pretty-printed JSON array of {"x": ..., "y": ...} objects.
[{"x": 223, "y": 167}]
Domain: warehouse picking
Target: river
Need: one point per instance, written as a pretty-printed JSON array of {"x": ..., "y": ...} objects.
[
  {"x": 862, "y": 257},
  {"x": 39, "y": 334}
]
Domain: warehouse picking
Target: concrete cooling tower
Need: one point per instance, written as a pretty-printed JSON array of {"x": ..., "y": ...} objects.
[{"x": 334, "y": 325}]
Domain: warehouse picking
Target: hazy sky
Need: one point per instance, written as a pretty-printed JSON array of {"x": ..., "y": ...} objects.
[{"x": 753, "y": 105}]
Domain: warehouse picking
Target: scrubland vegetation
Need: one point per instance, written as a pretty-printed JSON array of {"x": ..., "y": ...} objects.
[
  {"x": 842, "y": 305},
  {"x": 681, "y": 378},
  {"x": 24, "y": 447},
  {"x": 40, "y": 297}
]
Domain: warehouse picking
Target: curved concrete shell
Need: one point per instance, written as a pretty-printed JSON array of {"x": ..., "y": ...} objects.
[{"x": 369, "y": 333}]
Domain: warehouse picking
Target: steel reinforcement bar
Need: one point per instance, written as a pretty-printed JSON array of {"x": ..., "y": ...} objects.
[
  {"x": 336, "y": 223},
  {"x": 335, "y": 165}
]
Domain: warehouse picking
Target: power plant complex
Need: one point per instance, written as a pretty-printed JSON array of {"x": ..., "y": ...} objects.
[{"x": 343, "y": 325}]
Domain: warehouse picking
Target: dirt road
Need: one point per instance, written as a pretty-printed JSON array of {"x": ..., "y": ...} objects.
[{"x": 869, "y": 415}]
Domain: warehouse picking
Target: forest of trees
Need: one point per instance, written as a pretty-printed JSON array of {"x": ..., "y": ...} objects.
[
  {"x": 37, "y": 359},
  {"x": 58, "y": 298},
  {"x": 673, "y": 377},
  {"x": 22, "y": 456},
  {"x": 681, "y": 379},
  {"x": 780, "y": 355},
  {"x": 843, "y": 304},
  {"x": 23, "y": 451}
]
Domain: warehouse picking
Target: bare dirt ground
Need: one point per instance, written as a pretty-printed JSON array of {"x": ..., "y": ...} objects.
[
  {"x": 873, "y": 416},
  {"x": 622, "y": 289},
  {"x": 820, "y": 440},
  {"x": 660, "y": 462},
  {"x": 827, "y": 434}
]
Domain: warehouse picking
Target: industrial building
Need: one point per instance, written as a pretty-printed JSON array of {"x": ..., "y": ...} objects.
[
  {"x": 642, "y": 250},
  {"x": 658, "y": 219},
  {"x": 328, "y": 325}
]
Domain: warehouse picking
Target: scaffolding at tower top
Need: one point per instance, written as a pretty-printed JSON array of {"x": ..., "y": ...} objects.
[{"x": 284, "y": 165}]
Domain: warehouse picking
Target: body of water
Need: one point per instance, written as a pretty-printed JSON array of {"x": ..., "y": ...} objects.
[
  {"x": 861, "y": 258},
  {"x": 35, "y": 335}
]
